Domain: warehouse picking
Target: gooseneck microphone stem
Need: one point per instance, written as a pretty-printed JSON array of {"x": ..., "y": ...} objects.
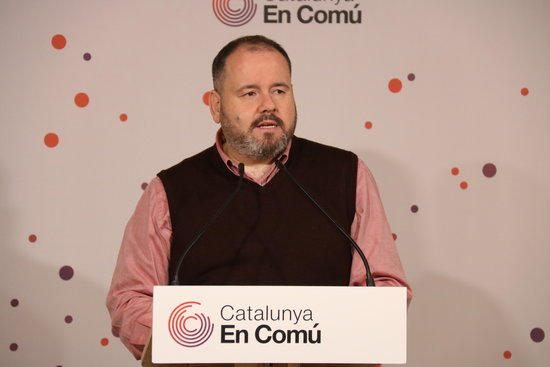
[
  {"x": 369, "y": 280},
  {"x": 176, "y": 281}
]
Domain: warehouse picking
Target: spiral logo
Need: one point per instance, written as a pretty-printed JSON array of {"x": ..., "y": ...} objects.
[
  {"x": 189, "y": 328},
  {"x": 234, "y": 17}
]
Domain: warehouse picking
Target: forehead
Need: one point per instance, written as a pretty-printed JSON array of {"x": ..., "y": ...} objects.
[{"x": 258, "y": 60}]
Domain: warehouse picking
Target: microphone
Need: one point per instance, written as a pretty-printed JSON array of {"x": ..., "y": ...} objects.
[
  {"x": 370, "y": 280},
  {"x": 175, "y": 280}
]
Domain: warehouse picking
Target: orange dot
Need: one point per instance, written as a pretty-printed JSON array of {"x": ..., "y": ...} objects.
[
  {"x": 464, "y": 185},
  {"x": 394, "y": 236},
  {"x": 32, "y": 238},
  {"x": 81, "y": 99},
  {"x": 104, "y": 342},
  {"x": 524, "y": 91},
  {"x": 395, "y": 85},
  {"x": 123, "y": 117},
  {"x": 51, "y": 140},
  {"x": 455, "y": 171},
  {"x": 507, "y": 354},
  {"x": 206, "y": 98},
  {"x": 59, "y": 41},
  {"x": 368, "y": 125}
]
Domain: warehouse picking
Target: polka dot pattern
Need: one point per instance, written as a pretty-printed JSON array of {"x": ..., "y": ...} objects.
[
  {"x": 537, "y": 335},
  {"x": 395, "y": 85},
  {"x": 81, "y": 100},
  {"x": 489, "y": 170},
  {"x": 59, "y": 41},
  {"x": 51, "y": 140},
  {"x": 66, "y": 272}
]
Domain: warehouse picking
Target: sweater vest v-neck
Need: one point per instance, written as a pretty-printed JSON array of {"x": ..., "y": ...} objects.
[{"x": 268, "y": 235}]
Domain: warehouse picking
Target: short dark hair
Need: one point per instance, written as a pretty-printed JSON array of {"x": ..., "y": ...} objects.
[{"x": 261, "y": 42}]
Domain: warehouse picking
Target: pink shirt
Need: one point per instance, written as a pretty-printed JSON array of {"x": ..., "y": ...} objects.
[{"x": 145, "y": 252}]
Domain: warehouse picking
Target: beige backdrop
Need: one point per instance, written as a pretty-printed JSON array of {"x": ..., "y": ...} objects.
[{"x": 460, "y": 153}]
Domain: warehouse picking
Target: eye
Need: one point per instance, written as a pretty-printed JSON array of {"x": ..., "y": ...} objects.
[
  {"x": 279, "y": 91},
  {"x": 249, "y": 94}
]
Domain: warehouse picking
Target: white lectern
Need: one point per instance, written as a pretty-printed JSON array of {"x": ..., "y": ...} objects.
[{"x": 276, "y": 324}]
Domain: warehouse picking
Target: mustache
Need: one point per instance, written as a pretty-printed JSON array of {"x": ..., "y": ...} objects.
[{"x": 267, "y": 116}]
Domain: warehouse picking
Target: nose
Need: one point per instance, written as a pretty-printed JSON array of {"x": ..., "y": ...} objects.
[{"x": 267, "y": 104}]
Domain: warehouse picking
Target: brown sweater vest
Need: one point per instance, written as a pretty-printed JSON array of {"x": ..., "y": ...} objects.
[{"x": 270, "y": 235}]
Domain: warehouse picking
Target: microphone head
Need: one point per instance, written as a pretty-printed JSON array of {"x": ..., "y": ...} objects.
[{"x": 241, "y": 169}]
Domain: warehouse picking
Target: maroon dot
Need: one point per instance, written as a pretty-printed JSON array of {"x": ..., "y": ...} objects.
[
  {"x": 411, "y": 77},
  {"x": 414, "y": 208},
  {"x": 489, "y": 170},
  {"x": 144, "y": 185},
  {"x": 68, "y": 319},
  {"x": 537, "y": 335},
  {"x": 32, "y": 238},
  {"x": 14, "y": 302},
  {"x": 66, "y": 272},
  {"x": 87, "y": 56},
  {"x": 13, "y": 347}
]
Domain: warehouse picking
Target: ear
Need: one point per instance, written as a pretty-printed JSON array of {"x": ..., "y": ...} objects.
[{"x": 214, "y": 101}]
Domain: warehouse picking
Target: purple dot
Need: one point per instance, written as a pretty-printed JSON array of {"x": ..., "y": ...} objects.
[
  {"x": 537, "y": 335},
  {"x": 144, "y": 185},
  {"x": 68, "y": 319},
  {"x": 87, "y": 56},
  {"x": 414, "y": 208},
  {"x": 489, "y": 170},
  {"x": 13, "y": 347},
  {"x": 14, "y": 302},
  {"x": 66, "y": 272},
  {"x": 411, "y": 77}
]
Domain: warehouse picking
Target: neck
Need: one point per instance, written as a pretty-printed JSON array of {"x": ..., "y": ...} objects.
[{"x": 255, "y": 168}]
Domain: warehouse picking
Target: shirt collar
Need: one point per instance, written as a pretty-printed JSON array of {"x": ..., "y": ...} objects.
[{"x": 233, "y": 165}]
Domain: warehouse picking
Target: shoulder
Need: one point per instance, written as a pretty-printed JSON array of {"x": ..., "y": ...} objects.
[{"x": 311, "y": 150}]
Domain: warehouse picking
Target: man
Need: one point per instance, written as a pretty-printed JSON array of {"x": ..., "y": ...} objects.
[{"x": 271, "y": 234}]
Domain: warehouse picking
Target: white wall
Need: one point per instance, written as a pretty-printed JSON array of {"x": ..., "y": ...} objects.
[{"x": 476, "y": 257}]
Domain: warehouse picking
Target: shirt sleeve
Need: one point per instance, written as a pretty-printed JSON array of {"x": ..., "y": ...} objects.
[
  {"x": 142, "y": 263},
  {"x": 371, "y": 231}
]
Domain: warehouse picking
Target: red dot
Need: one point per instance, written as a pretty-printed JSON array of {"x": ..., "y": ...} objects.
[
  {"x": 368, "y": 125},
  {"x": 13, "y": 347},
  {"x": 206, "y": 98},
  {"x": 59, "y": 41},
  {"x": 507, "y": 354},
  {"x": 524, "y": 91},
  {"x": 395, "y": 85},
  {"x": 81, "y": 99},
  {"x": 394, "y": 236},
  {"x": 51, "y": 140},
  {"x": 104, "y": 342},
  {"x": 123, "y": 117},
  {"x": 464, "y": 185},
  {"x": 455, "y": 171},
  {"x": 32, "y": 238}
]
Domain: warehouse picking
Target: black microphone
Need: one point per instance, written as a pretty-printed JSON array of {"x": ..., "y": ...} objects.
[
  {"x": 176, "y": 281},
  {"x": 370, "y": 280}
]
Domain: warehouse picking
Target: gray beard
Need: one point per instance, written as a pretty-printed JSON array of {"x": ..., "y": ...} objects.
[{"x": 246, "y": 145}]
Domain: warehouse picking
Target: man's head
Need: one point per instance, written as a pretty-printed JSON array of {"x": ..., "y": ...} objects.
[
  {"x": 256, "y": 42},
  {"x": 253, "y": 99}
]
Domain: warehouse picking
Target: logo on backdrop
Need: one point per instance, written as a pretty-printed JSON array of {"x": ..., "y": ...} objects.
[
  {"x": 234, "y": 17},
  {"x": 189, "y": 327},
  {"x": 235, "y": 13}
]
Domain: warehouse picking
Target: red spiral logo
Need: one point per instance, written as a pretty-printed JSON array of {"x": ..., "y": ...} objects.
[
  {"x": 187, "y": 328},
  {"x": 234, "y": 17}
]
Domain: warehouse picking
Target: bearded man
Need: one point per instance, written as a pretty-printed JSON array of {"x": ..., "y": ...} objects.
[{"x": 271, "y": 234}]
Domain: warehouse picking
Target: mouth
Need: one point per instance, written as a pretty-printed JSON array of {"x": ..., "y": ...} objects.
[
  {"x": 268, "y": 122},
  {"x": 267, "y": 125}
]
